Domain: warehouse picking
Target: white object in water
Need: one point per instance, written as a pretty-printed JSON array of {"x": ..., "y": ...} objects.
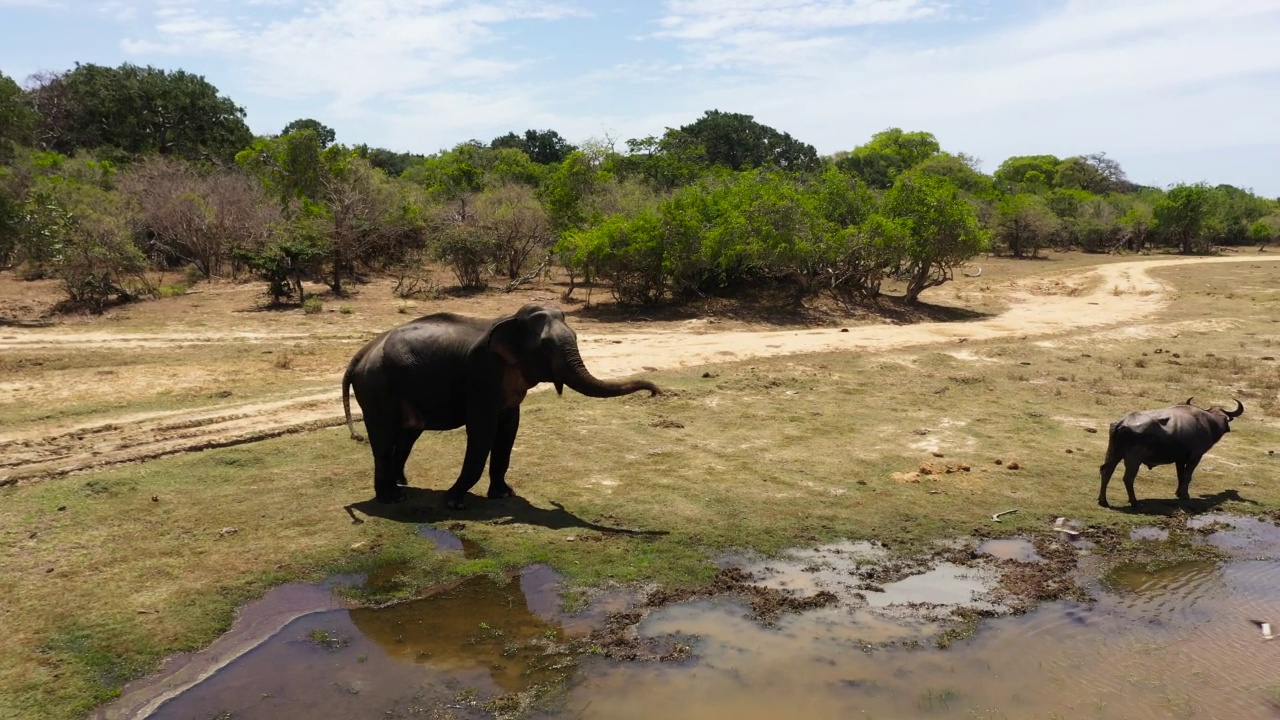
[{"x": 1265, "y": 627}]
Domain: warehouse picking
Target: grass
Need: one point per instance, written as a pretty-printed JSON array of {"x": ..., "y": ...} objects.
[{"x": 765, "y": 454}]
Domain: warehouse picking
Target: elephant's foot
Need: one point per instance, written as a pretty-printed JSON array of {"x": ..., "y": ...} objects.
[
  {"x": 1102, "y": 502},
  {"x": 455, "y": 502},
  {"x": 402, "y": 481},
  {"x": 1184, "y": 496},
  {"x": 497, "y": 491},
  {"x": 390, "y": 495}
]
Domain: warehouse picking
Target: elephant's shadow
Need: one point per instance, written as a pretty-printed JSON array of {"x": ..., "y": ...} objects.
[
  {"x": 1194, "y": 506},
  {"x": 426, "y": 505}
]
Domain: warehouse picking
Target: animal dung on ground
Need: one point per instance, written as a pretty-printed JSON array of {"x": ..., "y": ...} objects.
[
  {"x": 1014, "y": 466},
  {"x": 1091, "y": 430}
]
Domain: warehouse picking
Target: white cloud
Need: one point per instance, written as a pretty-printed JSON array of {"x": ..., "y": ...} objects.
[
  {"x": 1133, "y": 76},
  {"x": 350, "y": 50}
]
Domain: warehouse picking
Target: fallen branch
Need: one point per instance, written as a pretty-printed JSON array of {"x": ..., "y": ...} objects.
[{"x": 528, "y": 278}]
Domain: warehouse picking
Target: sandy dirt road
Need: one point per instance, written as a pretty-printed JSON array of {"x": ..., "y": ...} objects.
[{"x": 1123, "y": 294}]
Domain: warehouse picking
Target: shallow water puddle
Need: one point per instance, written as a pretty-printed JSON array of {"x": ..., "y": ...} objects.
[
  {"x": 1177, "y": 642},
  {"x": 446, "y": 541},
  {"x": 478, "y": 639}
]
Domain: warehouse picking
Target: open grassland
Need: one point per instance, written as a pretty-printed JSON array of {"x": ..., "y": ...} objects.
[{"x": 106, "y": 572}]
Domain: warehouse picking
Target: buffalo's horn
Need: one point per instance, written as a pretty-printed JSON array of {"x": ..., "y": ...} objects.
[
  {"x": 1235, "y": 413},
  {"x": 1188, "y": 402}
]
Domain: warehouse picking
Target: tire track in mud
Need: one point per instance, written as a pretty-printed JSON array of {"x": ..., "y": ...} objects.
[
  {"x": 55, "y": 452},
  {"x": 1124, "y": 292}
]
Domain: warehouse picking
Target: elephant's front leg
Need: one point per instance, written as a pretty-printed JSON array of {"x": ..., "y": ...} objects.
[
  {"x": 500, "y": 460},
  {"x": 480, "y": 435}
]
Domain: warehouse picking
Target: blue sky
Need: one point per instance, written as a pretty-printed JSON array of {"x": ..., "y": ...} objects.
[{"x": 1176, "y": 90}]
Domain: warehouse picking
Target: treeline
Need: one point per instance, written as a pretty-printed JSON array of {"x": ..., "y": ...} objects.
[{"x": 107, "y": 174}]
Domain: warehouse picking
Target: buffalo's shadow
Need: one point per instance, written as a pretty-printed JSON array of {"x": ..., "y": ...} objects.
[
  {"x": 1194, "y": 506},
  {"x": 427, "y": 505}
]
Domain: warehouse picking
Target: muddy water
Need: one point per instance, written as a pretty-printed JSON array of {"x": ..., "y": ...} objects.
[
  {"x": 1178, "y": 642},
  {"x": 477, "y": 640}
]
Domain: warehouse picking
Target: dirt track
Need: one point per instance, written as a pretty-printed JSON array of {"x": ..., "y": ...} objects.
[{"x": 1124, "y": 293}]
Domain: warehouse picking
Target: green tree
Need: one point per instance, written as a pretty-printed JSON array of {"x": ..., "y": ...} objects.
[
  {"x": 1024, "y": 222},
  {"x": 669, "y": 162},
  {"x": 567, "y": 190},
  {"x": 942, "y": 230},
  {"x": 1027, "y": 173},
  {"x": 962, "y": 170},
  {"x": 736, "y": 141},
  {"x": 335, "y": 202},
  {"x": 889, "y": 154},
  {"x": 138, "y": 110},
  {"x": 17, "y": 118},
  {"x": 1235, "y": 211},
  {"x": 1183, "y": 217},
  {"x": 545, "y": 147},
  {"x": 1264, "y": 231},
  {"x": 324, "y": 134},
  {"x": 388, "y": 161}
]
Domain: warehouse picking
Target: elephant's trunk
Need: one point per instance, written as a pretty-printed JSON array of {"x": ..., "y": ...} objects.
[{"x": 578, "y": 378}]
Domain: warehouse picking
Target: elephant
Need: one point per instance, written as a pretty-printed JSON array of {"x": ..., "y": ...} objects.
[{"x": 444, "y": 371}]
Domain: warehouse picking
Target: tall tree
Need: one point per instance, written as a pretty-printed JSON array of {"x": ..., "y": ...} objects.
[
  {"x": 942, "y": 229},
  {"x": 736, "y": 141},
  {"x": 324, "y": 133},
  {"x": 889, "y": 154},
  {"x": 1027, "y": 173},
  {"x": 138, "y": 110},
  {"x": 545, "y": 147},
  {"x": 17, "y": 117},
  {"x": 1182, "y": 216},
  {"x": 1024, "y": 222}
]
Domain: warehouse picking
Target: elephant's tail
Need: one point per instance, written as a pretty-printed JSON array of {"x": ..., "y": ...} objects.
[{"x": 346, "y": 404}]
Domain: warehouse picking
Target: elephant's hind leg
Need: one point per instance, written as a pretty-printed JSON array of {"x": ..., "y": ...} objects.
[
  {"x": 382, "y": 441},
  {"x": 404, "y": 446},
  {"x": 500, "y": 459}
]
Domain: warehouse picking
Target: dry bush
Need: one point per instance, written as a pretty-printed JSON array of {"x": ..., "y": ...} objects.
[
  {"x": 198, "y": 218},
  {"x": 517, "y": 226}
]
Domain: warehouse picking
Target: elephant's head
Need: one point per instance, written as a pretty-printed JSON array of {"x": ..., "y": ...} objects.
[{"x": 545, "y": 349}]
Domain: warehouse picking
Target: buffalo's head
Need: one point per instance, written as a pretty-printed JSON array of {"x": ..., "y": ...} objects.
[{"x": 1227, "y": 415}]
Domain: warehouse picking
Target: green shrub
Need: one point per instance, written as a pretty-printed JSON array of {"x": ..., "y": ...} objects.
[
  {"x": 312, "y": 305},
  {"x": 171, "y": 290}
]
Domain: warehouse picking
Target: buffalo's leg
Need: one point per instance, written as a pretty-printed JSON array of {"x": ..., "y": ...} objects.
[
  {"x": 1107, "y": 468},
  {"x": 382, "y": 441},
  {"x": 404, "y": 446},
  {"x": 480, "y": 435},
  {"x": 500, "y": 459},
  {"x": 1184, "y": 478},
  {"x": 1130, "y": 473}
]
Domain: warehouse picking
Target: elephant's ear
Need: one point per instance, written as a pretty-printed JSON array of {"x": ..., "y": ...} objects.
[{"x": 508, "y": 339}]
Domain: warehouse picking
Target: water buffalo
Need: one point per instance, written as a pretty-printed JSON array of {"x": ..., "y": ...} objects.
[{"x": 1181, "y": 435}]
